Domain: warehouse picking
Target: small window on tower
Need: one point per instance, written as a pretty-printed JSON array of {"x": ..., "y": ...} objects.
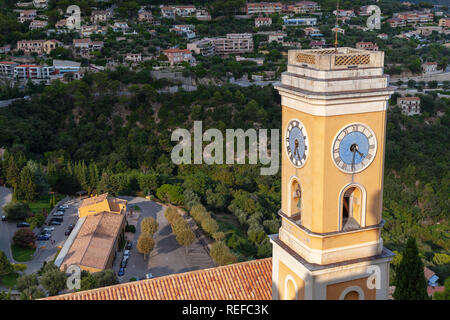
[
  {"x": 351, "y": 209},
  {"x": 296, "y": 200}
]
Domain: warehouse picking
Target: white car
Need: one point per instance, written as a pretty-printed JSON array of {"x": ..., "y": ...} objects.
[
  {"x": 126, "y": 253},
  {"x": 58, "y": 213},
  {"x": 65, "y": 206},
  {"x": 149, "y": 276},
  {"x": 49, "y": 229}
]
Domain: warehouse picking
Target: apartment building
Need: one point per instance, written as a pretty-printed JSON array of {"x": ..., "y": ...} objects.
[
  {"x": 145, "y": 16},
  {"x": 262, "y": 21},
  {"x": 186, "y": 30},
  {"x": 50, "y": 45},
  {"x": 304, "y": 7},
  {"x": 202, "y": 15},
  {"x": 204, "y": 47},
  {"x": 38, "y": 24},
  {"x": 176, "y": 56},
  {"x": 32, "y": 72},
  {"x": 409, "y": 105},
  {"x": 276, "y": 37},
  {"x": 7, "y": 68},
  {"x": 415, "y": 17},
  {"x": 121, "y": 27},
  {"x": 312, "y": 32},
  {"x": 5, "y": 49},
  {"x": 87, "y": 31},
  {"x": 234, "y": 43},
  {"x": 31, "y": 46},
  {"x": 367, "y": 46},
  {"x": 364, "y": 11},
  {"x": 181, "y": 11},
  {"x": 100, "y": 16},
  {"x": 429, "y": 67},
  {"x": 133, "y": 57},
  {"x": 444, "y": 22},
  {"x": 40, "y": 4},
  {"x": 87, "y": 44},
  {"x": 27, "y": 15},
  {"x": 264, "y": 8},
  {"x": 299, "y": 21},
  {"x": 66, "y": 66},
  {"x": 396, "y": 22}
]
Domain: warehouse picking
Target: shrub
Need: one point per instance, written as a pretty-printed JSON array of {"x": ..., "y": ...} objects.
[
  {"x": 24, "y": 238},
  {"x": 130, "y": 228}
]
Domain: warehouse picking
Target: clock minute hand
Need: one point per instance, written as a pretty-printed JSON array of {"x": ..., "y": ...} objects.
[{"x": 353, "y": 160}]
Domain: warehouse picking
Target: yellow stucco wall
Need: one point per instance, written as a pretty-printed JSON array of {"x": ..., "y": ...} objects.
[
  {"x": 334, "y": 241},
  {"x": 93, "y": 209},
  {"x": 285, "y": 272},
  {"x": 320, "y": 180},
  {"x": 335, "y": 290}
]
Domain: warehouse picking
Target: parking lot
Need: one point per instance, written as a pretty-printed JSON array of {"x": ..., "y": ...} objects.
[
  {"x": 46, "y": 250},
  {"x": 168, "y": 257}
]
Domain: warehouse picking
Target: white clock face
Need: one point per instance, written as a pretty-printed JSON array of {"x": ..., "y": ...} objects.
[
  {"x": 354, "y": 148},
  {"x": 296, "y": 143}
]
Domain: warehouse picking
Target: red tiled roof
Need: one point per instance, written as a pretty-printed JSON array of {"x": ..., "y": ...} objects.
[
  {"x": 177, "y": 50},
  {"x": 431, "y": 290},
  {"x": 251, "y": 280},
  {"x": 427, "y": 272}
]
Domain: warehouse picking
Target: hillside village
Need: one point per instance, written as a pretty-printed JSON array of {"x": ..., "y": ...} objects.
[{"x": 176, "y": 38}]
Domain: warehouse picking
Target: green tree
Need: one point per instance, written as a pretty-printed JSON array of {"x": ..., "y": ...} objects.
[
  {"x": 443, "y": 295},
  {"x": 185, "y": 238},
  {"x": 24, "y": 238},
  {"x": 26, "y": 188},
  {"x": 149, "y": 225},
  {"x": 16, "y": 210},
  {"x": 410, "y": 282},
  {"x": 5, "y": 265},
  {"x": 221, "y": 254},
  {"x": 53, "y": 281},
  {"x": 88, "y": 282},
  {"x": 27, "y": 281},
  {"x": 145, "y": 244}
]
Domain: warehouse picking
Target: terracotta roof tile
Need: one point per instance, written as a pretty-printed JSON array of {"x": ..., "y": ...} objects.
[{"x": 241, "y": 281}]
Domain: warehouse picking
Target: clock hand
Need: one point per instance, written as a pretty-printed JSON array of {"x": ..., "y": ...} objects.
[{"x": 353, "y": 160}]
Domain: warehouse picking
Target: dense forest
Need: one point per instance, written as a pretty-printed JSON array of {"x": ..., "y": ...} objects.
[{"x": 110, "y": 132}]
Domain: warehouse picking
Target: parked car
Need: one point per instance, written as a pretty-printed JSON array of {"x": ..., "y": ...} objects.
[
  {"x": 124, "y": 262},
  {"x": 43, "y": 237},
  {"x": 58, "y": 213},
  {"x": 126, "y": 253},
  {"x": 121, "y": 272},
  {"x": 65, "y": 206},
  {"x": 3, "y": 218},
  {"x": 69, "y": 229},
  {"x": 59, "y": 219},
  {"x": 49, "y": 229},
  {"x": 149, "y": 276},
  {"x": 60, "y": 209},
  {"x": 129, "y": 245},
  {"x": 54, "y": 223},
  {"x": 23, "y": 225}
]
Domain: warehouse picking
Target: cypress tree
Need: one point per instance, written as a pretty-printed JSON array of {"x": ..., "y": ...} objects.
[{"x": 410, "y": 282}]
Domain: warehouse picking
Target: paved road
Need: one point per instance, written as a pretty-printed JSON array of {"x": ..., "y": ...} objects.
[
  {"x": 6, "y": 228},
  {"x": 168, "y": 257}
]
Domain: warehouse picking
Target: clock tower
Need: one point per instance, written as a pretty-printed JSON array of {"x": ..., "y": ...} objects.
[{"x": 329, "y": 246}]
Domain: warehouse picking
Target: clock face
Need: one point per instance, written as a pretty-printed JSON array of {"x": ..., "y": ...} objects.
[
  {"x": 354, "y": 148},
  {"x": 296, "y": 143}
]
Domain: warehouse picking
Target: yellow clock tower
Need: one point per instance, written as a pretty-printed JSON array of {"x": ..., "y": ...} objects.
[{"x": 329, "y": 246}]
